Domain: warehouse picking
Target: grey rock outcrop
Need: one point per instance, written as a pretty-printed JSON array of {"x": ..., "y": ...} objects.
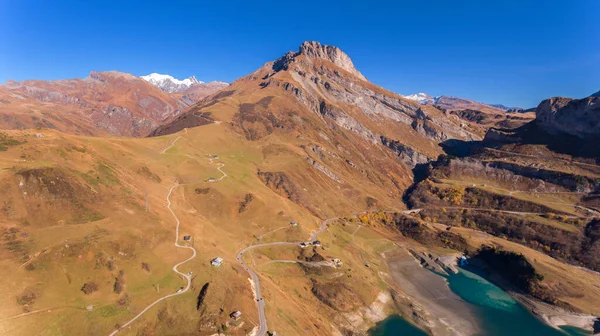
[
  {"x": 520, "y": 177},
  {"x": 314, "y": 49},
  {"x": 346, "y": 122},
  {"x": 324, "y": 169},
  {"x": 577, "y": 117},
  {"x": 408, "y": 155}
]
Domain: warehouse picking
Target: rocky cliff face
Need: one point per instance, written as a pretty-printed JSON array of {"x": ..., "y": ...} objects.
[
  {"x": 330, "y": 53},
  {"x": 408, "y": 155},
  {"x": 577, "y": 117}
]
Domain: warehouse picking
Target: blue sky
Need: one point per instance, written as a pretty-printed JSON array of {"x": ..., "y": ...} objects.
[{"x": 515, "y": 52}]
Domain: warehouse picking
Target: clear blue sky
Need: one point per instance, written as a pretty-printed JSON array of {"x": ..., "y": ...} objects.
[{"x": 515, "y": 52}]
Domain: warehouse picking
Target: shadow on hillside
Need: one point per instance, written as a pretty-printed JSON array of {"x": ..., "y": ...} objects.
[
  {"x": 420, "y": 173},
  {"x": 529, "y": 134},
  {"x": 461, "y": 148},
  {"x": 532, "y": 134}
]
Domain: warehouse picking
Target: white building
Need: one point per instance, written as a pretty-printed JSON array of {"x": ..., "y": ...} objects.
[
  {"x": 236, "y": 315},
  {"x": 216, "y": 261}
]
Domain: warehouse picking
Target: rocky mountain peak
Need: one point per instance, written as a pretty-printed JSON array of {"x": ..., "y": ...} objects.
[
  {"x": 313, "y": 49},
  {"x": 578, "y": 117},
  {"x": 597, "y": 94}
]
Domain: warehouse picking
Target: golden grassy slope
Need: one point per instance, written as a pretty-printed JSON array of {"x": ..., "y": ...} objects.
[{"x": 97, "y": 226}]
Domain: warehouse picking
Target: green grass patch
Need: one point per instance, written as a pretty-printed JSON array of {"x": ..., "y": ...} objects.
[
  {"x": 109, "y": 311},
  {"x": 7, "y": 141}
]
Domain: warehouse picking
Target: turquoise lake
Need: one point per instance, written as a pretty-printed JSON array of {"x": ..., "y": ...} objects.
[{"x": 498, "y": 313}]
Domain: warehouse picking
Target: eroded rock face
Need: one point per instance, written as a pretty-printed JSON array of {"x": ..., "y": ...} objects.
[
  {"x": 324, "y": 169},
  {"x": 281, "y": 184},
  {"x": 334, "y": 54},
  {"x": 346, "y": 122},
  {"x": 578, "y": 117},
  {"x": 408, "y": 155}
]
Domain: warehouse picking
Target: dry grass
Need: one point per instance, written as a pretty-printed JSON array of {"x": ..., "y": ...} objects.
[{"x": 72, "y": 254}]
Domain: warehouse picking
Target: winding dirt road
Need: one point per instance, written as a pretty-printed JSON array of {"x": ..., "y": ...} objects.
[
  {"x": 262, "y": 330},
  {"x": 254, "y": 276},
  {"x": 178, "y": 224}
]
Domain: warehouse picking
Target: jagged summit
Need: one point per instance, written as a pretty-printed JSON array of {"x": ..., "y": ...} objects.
[{"x": 313, "y": 50}]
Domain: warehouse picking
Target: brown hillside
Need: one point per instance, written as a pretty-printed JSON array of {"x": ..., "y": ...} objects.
[
  {"x": 103, "y": 104},
  {"x": 331, "y": 118}
]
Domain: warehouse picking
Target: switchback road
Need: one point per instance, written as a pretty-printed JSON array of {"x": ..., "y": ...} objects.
[{"x": 186, "y": 276}]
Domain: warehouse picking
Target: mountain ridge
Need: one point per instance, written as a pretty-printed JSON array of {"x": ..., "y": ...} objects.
[
  {"x": 453, "y": 103},
  {"x": 101, "y": 104},
  {"x": 171, "y": 84},
  {"x": 321, "y": 87}
]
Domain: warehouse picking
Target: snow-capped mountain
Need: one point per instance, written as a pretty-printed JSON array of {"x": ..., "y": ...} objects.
[
  {"x": 169, "y": 83},
  {"x": 422, "y": 98}
]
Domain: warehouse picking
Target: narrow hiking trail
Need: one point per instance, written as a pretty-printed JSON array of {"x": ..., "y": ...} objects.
[{"x": 186, "y": 276}]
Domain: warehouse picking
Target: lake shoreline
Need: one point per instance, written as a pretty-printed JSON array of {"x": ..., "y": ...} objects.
[
  {"x": 435, "y": 308},
  {"x": 557, "y": 317},
  {"x": 431, "y": 303},
  {"x": 553, "y": 316}
]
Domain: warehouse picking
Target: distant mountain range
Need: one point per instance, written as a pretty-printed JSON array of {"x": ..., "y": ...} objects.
[
  {"x": 454, "y": 103},
  {"x": 171, "y": 84},
  {"x": 102, "y": 104},
  {"x": 189, "y": 87}
]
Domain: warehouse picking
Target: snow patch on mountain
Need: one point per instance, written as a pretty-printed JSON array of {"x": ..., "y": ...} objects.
[
  {"x": 169, "y": 83},
  {"x": 422, "y": 98}
]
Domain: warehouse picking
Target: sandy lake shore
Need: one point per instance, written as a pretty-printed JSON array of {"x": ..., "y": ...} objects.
[
  {"x": 556, "y": 317},
  {"x": 448, "y": 313}
]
